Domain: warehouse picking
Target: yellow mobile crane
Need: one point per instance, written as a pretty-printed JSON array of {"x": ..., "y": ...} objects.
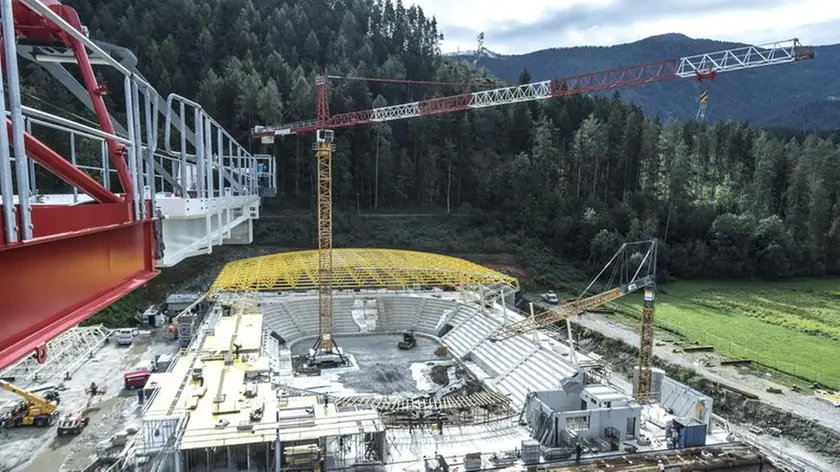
[
  {"x": 33, "y": 410},
  {"x": 642, "y": 256}
]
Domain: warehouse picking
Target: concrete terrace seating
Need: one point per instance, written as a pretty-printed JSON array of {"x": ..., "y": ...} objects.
[
  {"x": 277, "y": 318},
  {"x": 304, "y": 313},
  {"x": 398, "y": 312},
  {"x": 542, "y": 370},
  {"x": 431, "y": 312},
  {"x": 343, "y": 322},
  {"x": 514, "y": 366},
  {"x": 498, "y": 358},
  {"x": 470, "y": 329},
  {"x": 296, "y": 316}
]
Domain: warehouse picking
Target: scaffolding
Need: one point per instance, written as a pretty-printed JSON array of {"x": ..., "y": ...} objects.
[{"x": 66, "y": 353}]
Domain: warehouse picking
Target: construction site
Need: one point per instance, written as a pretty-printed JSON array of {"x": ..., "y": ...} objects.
[{"x": 325, "y": 359}]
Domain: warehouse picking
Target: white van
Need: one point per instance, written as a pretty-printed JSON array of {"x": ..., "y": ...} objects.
[{"x": 125, "y": 337}]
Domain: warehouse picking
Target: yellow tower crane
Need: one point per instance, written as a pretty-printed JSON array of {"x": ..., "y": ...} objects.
[{"x": 700, "y": 67}]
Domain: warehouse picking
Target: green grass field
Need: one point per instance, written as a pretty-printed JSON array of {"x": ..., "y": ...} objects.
[{"x": 793, "y": 327}]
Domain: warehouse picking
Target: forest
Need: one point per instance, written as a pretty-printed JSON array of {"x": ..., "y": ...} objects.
[{"x": 577, "y": 175}]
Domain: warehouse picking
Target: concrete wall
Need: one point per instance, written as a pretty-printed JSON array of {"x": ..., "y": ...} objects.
[
  {"x": 563, "y": 405},
  {"x": 602, "y": 418},
  {"x": 562, "y": 400},
  {"x": 685, "y": 401}
]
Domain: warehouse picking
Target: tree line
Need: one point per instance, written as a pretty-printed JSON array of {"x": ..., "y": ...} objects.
[{"x": 580, "y": 174}]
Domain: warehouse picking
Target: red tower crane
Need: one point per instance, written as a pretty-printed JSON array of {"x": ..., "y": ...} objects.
[{"x": 700, "y": 67}]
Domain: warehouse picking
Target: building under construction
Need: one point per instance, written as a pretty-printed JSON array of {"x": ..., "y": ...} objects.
[
  {"x": 294, "y": 360},
  {"x": 245, "y": 395}
]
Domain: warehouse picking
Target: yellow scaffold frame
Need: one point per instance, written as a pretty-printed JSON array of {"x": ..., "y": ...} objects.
[{"x": 355, "y": 268}]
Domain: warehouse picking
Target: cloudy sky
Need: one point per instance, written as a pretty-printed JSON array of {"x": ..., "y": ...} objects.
[{"x": 519, "y": 26}]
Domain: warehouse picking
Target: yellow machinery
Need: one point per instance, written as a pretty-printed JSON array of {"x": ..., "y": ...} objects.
[
  {"x": 550, "y": 317},
  {"x": 325, "y": 344},
  {"x": 408, "y": 341},
  {"x": 634, "y": 267},
  {"x": 33, "y": 410}
]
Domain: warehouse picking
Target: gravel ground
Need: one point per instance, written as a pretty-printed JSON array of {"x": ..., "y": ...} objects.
[
  {"x": 807, "y": 423},
  {"x": 382, "y": 367},
  {"x": 806, "y": 406},
  {"x": 41, "y": 450}
]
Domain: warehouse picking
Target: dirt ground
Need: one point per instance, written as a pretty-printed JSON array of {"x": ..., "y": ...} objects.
[
  {"x": 382, "y": 368},
  {"x": 32, "y": 449}
]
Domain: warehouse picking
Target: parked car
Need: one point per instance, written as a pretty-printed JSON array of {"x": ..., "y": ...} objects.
[
  {"x": 550, "y": 297},
  {"x": 125, "y": 337}
]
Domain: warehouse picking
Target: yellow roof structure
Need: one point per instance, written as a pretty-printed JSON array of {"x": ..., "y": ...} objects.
[{"x": 355, "y": 268}]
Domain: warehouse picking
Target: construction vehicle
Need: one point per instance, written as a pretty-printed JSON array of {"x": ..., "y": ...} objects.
[
  {"x": 137, "y": 377},
  {"x": 33, "y": 410},
  {"x": 408, "y": 341},
  {"x": 72, "y": 423}
]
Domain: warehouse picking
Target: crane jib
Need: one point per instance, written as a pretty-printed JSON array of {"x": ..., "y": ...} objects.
[{"x": 700, "y": 66}]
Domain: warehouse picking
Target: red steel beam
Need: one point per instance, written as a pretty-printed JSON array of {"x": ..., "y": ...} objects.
[
  {"x": 82, "y": 259},
  {"x": 96, "y": 91},
  {"x": 31, "y": 25},
  {"x": 63, "y": 169}
]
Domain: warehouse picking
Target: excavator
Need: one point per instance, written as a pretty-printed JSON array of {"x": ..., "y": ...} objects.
[
  {"x": 408, "y": 341},
  {"x": 33, "y": 410}
]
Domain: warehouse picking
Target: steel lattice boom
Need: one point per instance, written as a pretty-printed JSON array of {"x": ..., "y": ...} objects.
[
  {"x": 629, "y": 256},
  {"x": 701, "y": 66}
]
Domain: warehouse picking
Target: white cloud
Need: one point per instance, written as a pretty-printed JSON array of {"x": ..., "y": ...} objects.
[{"x": 527, "y": 25}]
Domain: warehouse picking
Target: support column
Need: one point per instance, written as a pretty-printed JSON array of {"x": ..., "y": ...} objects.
[{"x": 277, "y": 457}]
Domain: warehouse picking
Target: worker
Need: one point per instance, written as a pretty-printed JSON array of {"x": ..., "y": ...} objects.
[
  {"x": 660, "y": 466},
  {"x": 93, "y": 388},
  {"x": 578, "y": 451},
  {"x": 760, "y": 463}
]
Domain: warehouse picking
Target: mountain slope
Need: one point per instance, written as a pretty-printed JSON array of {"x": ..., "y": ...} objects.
[{"x": 789, "y": 95}]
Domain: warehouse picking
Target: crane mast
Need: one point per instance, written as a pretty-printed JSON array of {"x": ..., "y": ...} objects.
[
  {"x": 325, "y": 348},
  {"x": 700, "y": 67}
]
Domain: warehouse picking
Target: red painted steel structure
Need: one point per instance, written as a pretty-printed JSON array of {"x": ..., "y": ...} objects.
[
  {"x": 81, "y": 258},
  {"x": 701, "y": 67}
]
